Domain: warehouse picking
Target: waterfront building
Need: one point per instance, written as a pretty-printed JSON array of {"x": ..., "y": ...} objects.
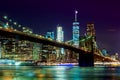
[
  {"x": 117, "y": 56},
  {"x": 47, "y": 50},
  {"x": 36, "y": 51},
  {"x": 60, "y": 38},
  {"x": 48, "y": 53},
  {"x": 104, "y": 52},
  {"x": 24, "y": 50}
]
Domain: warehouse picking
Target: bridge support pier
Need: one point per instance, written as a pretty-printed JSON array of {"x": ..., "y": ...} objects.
[{"x": 86, "y": 59}]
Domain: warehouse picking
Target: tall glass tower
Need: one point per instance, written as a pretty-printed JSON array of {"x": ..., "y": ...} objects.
[
  {"x": 60, "y": 34},
  {"x": 60, "y": 37},
  {"x": 76, "y": 31}
]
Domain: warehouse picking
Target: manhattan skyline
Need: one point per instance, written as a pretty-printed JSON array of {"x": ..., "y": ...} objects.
[{"x": 44, "y": 15}]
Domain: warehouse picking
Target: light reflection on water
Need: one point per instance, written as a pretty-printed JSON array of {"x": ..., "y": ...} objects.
[{"x": 59, "y": 73}]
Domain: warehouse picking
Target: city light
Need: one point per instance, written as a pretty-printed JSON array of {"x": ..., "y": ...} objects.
[
  {"x": 5, "y": 17},
  {"x": 45, "y": 50}
]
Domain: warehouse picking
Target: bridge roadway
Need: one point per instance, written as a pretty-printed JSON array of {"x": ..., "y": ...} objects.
[{"x": 30, "y": 37}]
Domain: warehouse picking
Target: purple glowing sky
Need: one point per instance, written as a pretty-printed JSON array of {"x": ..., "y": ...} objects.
[{"x": 44, "y": 15}]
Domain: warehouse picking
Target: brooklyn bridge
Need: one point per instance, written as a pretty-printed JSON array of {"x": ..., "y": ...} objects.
[{"x": 20, "y": 43}]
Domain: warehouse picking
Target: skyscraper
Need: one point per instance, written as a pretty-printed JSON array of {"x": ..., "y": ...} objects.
[
  {"x": 60, "y": 34},
  {"x": 60, "y": 37},
  {"x": 76, "y": 31},
  {"x": 50, "y": 35}
]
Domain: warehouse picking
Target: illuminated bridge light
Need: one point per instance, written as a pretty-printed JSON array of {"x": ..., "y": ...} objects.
[
  {"x": 15, "y": 23},
  {"x": 19, "y": 25},
  {"x": 10, "y": 20},
  {"x": 5, "y": 17}
]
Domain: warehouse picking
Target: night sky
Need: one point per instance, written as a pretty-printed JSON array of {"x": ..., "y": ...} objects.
[{"x": 44, "y": 15}]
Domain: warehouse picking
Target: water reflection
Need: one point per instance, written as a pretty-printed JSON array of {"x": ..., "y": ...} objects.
[{"x": 59, "y": 73}]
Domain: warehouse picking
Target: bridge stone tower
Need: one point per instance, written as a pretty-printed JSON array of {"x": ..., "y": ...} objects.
[
  {"x": 91, "y": 34},
  {"x": 87, "y": 58},
  {"x": 90, "y": 29}
]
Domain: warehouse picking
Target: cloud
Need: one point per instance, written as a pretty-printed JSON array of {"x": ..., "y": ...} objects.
[{"x": 111, "y": 30}]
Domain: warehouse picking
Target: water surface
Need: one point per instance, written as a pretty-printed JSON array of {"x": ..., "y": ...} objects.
[{"x": 59, "y": 73}]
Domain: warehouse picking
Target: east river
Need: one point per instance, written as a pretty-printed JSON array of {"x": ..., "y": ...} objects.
[{"x": 59, "y": 73}]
